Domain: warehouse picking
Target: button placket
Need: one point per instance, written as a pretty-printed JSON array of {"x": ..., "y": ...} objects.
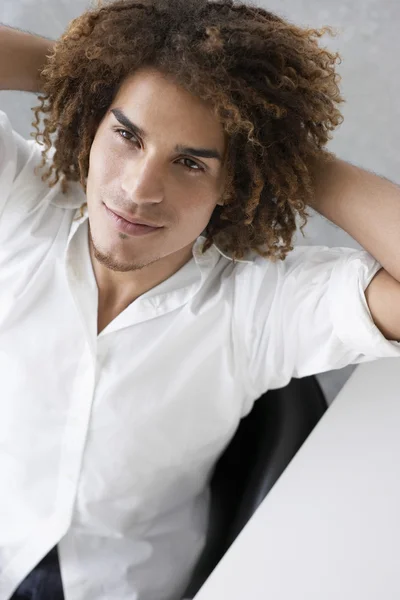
[{"x": 76, "y": 430}]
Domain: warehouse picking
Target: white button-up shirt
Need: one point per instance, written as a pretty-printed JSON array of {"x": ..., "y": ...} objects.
[{"x": 108, "y": 442}]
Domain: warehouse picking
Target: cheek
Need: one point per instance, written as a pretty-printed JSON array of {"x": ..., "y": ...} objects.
[
  {"x": 102, "y": 165},
  {"x": 199, "y": 213},
  {"x": 97, "y": 157}
]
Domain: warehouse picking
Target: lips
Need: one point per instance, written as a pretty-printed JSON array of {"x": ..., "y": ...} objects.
[
  {"x": 127, "y": 227},
  {"x": 133, "y": 220}
]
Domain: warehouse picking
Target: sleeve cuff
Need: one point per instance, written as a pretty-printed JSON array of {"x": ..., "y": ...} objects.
[{"x": 350, "y": 314}]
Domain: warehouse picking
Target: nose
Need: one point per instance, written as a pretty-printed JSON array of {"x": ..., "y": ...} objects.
[{"x": 143, "y": 184}]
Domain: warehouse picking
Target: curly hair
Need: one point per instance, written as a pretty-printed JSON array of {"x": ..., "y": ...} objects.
[{"x": 272, "y": 88}]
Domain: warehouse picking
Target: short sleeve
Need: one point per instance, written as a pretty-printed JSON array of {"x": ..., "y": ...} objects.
[
  {"x": 15, "y": 152},
  {"x": 306, "y": 315}
]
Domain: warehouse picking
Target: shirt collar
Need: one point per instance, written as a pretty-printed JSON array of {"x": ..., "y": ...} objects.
[{"x": 169, "y": 295}]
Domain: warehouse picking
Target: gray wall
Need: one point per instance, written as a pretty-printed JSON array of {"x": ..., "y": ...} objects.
[{"x": 369, "y": 43}]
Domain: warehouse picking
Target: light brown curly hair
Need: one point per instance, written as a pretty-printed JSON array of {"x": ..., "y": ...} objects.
[{"x": 273, "y": 89}]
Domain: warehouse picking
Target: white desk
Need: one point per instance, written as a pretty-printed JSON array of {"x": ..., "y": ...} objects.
[{"x": 330, "y": 527}]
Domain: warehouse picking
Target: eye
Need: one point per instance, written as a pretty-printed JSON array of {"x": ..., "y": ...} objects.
[{"x": 135, "y": 139}]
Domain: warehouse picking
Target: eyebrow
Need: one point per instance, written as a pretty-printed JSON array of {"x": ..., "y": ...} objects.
[{"x": 200, "y": 152}]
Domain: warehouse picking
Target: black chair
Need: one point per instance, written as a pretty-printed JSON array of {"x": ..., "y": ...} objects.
[{"x": 264, "y": 443}]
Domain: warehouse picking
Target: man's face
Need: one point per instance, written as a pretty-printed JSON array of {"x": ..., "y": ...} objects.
[{"x": 148, "y": 178}]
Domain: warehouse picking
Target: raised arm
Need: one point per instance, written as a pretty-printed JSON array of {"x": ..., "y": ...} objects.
[
  {"x": 22, "y": 56},
  {"x": 367, "y": 207},
  {"x": 364, "y": 205}
]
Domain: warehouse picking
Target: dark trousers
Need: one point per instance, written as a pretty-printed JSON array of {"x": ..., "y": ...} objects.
[{"x": 43, "y": 582}]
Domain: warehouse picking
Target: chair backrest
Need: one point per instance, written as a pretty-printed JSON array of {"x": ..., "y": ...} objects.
[{"x": 265, "y": 442}]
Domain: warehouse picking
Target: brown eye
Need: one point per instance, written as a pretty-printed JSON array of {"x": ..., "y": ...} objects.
[
  {"x": 121, "y": 131},
  {"x": 133, "y": 138}
]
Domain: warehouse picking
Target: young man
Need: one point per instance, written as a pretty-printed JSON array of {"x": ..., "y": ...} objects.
[{"x": 128, "y": 356}]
